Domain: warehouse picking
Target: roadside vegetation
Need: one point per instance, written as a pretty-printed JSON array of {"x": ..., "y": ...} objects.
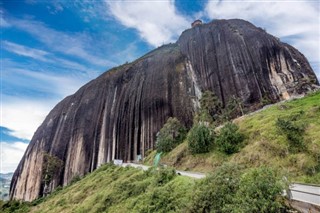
[
  {"x": 284, "y": 136},
  {"x": 118, "y": 189},
  {"x": 250, "y": 162}
]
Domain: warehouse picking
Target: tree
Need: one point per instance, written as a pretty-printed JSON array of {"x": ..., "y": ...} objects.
[
  {"x": 233, "y": 108},
  {"x": 52, "y": 166},
  {"x": 170, "y": 135},
  {"x": 229, "y": 139},
  {"x": 210, "y": 107},
  {"x": 200, "y": 139}
]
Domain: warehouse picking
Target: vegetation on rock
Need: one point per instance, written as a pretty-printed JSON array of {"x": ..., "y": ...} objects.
[
  {"x": 170, "y": 135},
  {"x": 265, "y": 143}
]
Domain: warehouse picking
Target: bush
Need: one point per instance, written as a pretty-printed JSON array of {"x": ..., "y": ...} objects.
[
  {"x": 260, "y": 190},
  {"x": 75, "y": 179},
  {"x": 210, "y": 107},
  {"x": 293, "y": 131},
  {"x": 229, "y": 139},
  {"x": 171, "y": 134},
  {"x": 14, "y": 206},
  {"x": 229, "y": 190},
  {"x": 200, "y": 139},
  {"x": 164, "y": 175},
  {"x": 233, "y": 108},
  {"x": 215, "y": 193}
]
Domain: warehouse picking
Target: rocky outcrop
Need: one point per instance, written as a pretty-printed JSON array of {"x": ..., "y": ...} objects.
[{"x": 118, "y": 115}]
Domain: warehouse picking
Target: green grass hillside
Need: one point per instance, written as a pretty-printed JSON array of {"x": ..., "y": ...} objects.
[
  {"x": 265, "y": 143},
  {"x": 115, "y": 189}
]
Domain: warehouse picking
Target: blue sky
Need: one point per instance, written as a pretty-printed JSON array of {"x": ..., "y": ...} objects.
[{"x": 51, "y": 48}]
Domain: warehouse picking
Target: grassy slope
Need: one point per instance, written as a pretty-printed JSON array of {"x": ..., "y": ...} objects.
[
  {"x": 117, "y": 189},
  {"x": 264, "y": 144}
]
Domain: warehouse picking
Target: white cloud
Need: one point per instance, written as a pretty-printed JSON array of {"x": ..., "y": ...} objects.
[
  {"x": 3, "y": 22},
  {"x": 74, "y": 44},
  {"x": 157, "y": 22},
  {"x": 23, "y": 116},
  {"x": 25, "y": 51},
  {"x": 295, "y": 22},
  {"x": 47, "y": 57},
  {"x": 11, "y": 154}
]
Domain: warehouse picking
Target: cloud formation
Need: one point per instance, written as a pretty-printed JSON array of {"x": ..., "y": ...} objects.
[
  {"x": 157, "y": 22},
  {"x": 25, "y": 51},
  {"x": 295, "y": 22},
  {"x": 11, "y": 153},
  {"x": 75, "y": 45},
  {"x": 24, "y": 116}
]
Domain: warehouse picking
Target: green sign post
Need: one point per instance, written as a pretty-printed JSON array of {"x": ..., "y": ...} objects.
[{"x": 157, "y": 159}]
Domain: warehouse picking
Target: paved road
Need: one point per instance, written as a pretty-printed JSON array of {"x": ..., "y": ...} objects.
[
  {"x": 183, "y": 173},
  {"x": 300, "y": 192}
]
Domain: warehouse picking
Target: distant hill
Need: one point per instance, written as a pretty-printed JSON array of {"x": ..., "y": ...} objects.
[{"x": 5, "y": 180}]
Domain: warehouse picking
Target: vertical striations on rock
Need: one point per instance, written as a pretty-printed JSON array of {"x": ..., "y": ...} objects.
[{"x": 118, "y": 115}]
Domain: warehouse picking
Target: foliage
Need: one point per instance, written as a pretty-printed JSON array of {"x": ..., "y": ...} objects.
[
  {"x": 293, "y": 131},
  {"x": 215, "y": 193},
  {"x": 200, "y": 139},
  {"x": 210, "y": 107},
  {"x": 264, "y": 143},
  {"x": 260, "y": 190},
  {"x": 14, "y": 206},
  {"x": 230, "y": 189},
  {"x": 75, "y": 179},
  {"x": 121, "y": 189},
  {"x": 52, "y": 166},
  {"x": 170, "y": 135},
  {"x": 229, "y": 139},
  {"x": 233, "y": 108},
  {"x": 164, "y": 175}
]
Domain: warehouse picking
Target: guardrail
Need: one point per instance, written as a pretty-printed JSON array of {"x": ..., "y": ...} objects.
[{"x": 305, "y": 193}]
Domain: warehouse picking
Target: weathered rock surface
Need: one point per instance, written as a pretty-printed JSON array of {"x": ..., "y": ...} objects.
[{"x": 118, "y": 115}]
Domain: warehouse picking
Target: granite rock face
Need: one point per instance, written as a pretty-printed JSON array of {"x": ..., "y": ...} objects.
[{"x": 118, "y": 115}]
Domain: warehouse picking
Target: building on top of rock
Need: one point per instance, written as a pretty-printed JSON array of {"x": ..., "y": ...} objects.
[{"x": 196, "y": 23}]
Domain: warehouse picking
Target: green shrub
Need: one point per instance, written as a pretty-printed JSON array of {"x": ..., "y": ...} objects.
[
  {"x": 164, "y": 175},
  {"x": 216, "y": 192},
  {"x": 171, "y": 134},
  {"x": 233, "y": 108},
  {"x": 75, "y": 179},
  {"x": 229, "y": 190},
  {"x": 14, "y": 206},
  {"x": 293, "y": 131},
  {"x": 210, "y": 107},
  {"x": 229, "y": 139},
  {"x": 200, "y": 139},
  {"x": 260, "y": 190}
]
